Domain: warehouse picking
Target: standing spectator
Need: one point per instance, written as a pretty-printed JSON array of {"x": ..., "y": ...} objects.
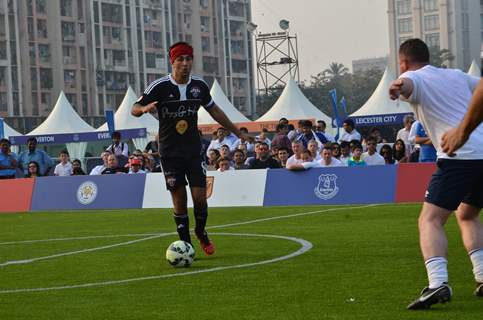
[
  {"x": 281, "y": 140},
  {"x": 427, "y": 152},
  {"x": 77, "y": 168},
  {"x": 239, "y": 159},
  {"x": 245, "y": 140},
  {"x": 263, "y": 159},
  {"x": 283, "y": 157},
  {"x": 213, "y": 156},
  {"x": 386, "y": 153},
  {"x": 371, "y": 157},
  {"x": 376, "y": 134},
  {"x": 113, "y": 166},
  {"x": 293, "y": 134},
  {"x": 283, "y": 121},
  {"x": 262, "y": 137},
  {"x": 321, "y": 127},
  {"x": 345, "y": 152},
  {"x": 308, "y": 134},
  {"x": 33, "y": 170},
  {"x": 117, "y": 147},
  {"x": 224, "y": 164},
  {"x": 97, "y": 170},
  {"x": 327, "y": 159},
  {"x": 220, "y": 140},
  {"x": 64, "y": 168},
  {"x": 32, "y": 154},
  {"x": 8, "y": 160},
  {"x": 350, "y": 133},
  {"x": 135, "y": 166},
  {"x": 399, "y": 151},
  {"x": 298, "y": 149},
  {"x": 153, "y": 148},
  {"x": 313, "y": 148},
  {"x": 403, "y": 134},
  {"x": 356, "y": 160}
]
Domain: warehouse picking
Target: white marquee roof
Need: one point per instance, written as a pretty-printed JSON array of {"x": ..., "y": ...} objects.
[
  {"x": 222, "y": 101},
  {"x": 62, "y": 119},
  {"x": 380, "y": 103},
  {"x": 9, "y": 131},
  {"x": 474, "y": 69}
]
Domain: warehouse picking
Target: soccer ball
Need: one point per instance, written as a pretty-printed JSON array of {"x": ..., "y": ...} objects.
[{"x": 180, "y": 254}]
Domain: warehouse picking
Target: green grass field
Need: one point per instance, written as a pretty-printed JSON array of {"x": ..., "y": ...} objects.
[{"x": 364, "y": 264}]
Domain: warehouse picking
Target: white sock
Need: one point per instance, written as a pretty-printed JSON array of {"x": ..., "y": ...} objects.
[
  {"x": 476, "y": 257},
  {"x": 437, "y": 271}
]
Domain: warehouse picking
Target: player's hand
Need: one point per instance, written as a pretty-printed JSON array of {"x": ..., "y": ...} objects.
[
  {"x": 395, "y": 89},
  {"x": 452, "y": 140},
  {"x": 151, "y": 108}
]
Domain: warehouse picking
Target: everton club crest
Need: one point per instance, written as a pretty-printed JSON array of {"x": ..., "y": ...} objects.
[
  {"x": 195, "y": 92},
  {"x": 327, "y": 187}
]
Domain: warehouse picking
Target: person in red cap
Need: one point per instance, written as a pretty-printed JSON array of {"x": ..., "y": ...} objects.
[{"x": 177, "y": 98}]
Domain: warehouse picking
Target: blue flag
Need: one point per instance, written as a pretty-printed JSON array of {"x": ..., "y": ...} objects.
[
  {"x": 2, "y": 133},
  {"x": 110, "y": 121},
  {"x": 336, "y": 121}
]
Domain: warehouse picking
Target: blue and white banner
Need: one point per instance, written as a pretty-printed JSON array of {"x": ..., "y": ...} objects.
[
  {"x": 343, "y": 185},
  {"x": 78, "y": 137},
  {"x": 2, "y": 133},
  {"x": 110, "y": 121},
  {"x": 379, "y": 120}
]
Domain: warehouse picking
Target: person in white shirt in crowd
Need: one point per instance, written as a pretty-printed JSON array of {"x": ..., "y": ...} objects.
[
  {"x": 313, "y": 148},
  {"x": 135, "y": 166},
  {"x": 306, "y": 162},
  {"x": 219, "y": 141},
  {"x": 64, "y": 168},
  {"x": 403, "y": 134},
  {"x": 262, "y": 137},
  {"x": 296, "y": 132},
  {"x": 298, "y": 149},
  {"x": 224, "y": 164},
  {"x": 320, "y": 127},
  {"x": 371, "y": 157},
  {"x": 327, "y": 159},
  {"x": 350, "y": 133},
  {"x": 97, "y": 170},
  {"x": 245, "y": 140},
  {"x": 345, "y": 152},
  {"x": 117, "y": 147}
]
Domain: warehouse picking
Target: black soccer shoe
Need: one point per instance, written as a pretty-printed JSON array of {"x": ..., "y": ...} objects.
[
  {"x": 429, "y": 297},
  {"x": 479, "y": 289}
]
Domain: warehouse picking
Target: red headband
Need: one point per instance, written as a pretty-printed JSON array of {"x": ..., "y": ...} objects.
[{"x": 180, "y": 50}]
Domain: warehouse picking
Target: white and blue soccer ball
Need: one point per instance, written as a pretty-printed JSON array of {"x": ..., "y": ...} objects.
[{"x": 180, "y": 254}]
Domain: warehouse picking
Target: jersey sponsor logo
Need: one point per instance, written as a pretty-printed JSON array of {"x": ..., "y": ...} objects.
[
  {"x": 181, "y": 112},
  {"x": 327, "y": 187},
  {"x": 87, "y": 192},
  {"x": 181, "y": 126},
  {"x": 195, "y": 92}
]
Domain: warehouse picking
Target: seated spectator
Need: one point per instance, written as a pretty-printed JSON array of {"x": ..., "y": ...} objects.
[
  {"x": 32, "y": 154},
  {"x": 64, "y": 168},
  {"x": 113, "y": 166},
  {"x": 153, "y": 148},
  {"x": 350, "y": 133},
  {"x": 280, "y": 140},
  {"x": 345, "y": 152},
  {"x": 371, "y": 157},
  {"x": 224, "y": 164},
  {"x": 239, "y": 159},
  {"x": 135, "y": 166},
  {"x": 399, "y": 151},
  {"x": 97, "y": 170},
  {"x": 328, "y": 160},
  {"x": 262, "y": 137},
  {"x": 213, "y": 156},
  {"x": 307, "y": 162},
  {"x": 335, "y": 150},
  {"x": 117, "y": 147},
  {"x": 282, "y": 157},
  {"x": 245, "y": 140},
  {"x": 8, "y": 160},
  {"x": 313, "y": 148},
  {"x": 320, "y": 127},
  {"x": 225, "y": 152},
  {"x": 308, "y": 134},
  {"x": 263, "y": 159},
  {"x": 386, "y": 153},
  {"x": 33, "y": 170},
  {"x": 356, "y": 160},
  {"x": 250, "y": 159},
  {"x": 298, "y": 149},
  {"x": 149, "y": 163},
  {"x": 77, "y": 168},
  {"x": 220, "y": 140}
]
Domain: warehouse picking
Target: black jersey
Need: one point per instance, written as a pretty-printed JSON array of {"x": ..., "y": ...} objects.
[{"x": 178, "y": 107}]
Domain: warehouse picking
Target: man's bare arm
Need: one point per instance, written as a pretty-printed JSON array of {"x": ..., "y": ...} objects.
[
  {"x": 401, "y": 87},
  {"x": 138, "y": 110},
  {"x": 222, "y": 119}
]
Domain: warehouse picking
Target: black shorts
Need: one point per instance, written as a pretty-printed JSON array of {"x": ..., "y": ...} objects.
[
  {"x": 181, "y": 171},
  {"x": 456, "y": 181}
]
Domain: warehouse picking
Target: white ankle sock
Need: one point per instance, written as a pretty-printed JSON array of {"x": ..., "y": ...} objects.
[
  {"x": 437, "y": 271},
  {"x": 476, "y": 257}
]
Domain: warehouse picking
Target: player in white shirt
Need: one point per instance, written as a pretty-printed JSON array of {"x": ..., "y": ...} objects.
[
  {"x": 371, "y": 157},
  {"x": 440, "y": 98},
  {"x": 64, "y": 168}
]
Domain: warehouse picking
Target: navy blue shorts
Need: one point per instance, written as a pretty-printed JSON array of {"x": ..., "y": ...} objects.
[
  {"x": 178, "y": 170},
  {"x": 456, "y": 181}
]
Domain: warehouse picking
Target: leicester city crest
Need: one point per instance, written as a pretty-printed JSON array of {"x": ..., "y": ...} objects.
[
  {"x": 327, "y": 187},
  {"x": 87, "y": 192}
]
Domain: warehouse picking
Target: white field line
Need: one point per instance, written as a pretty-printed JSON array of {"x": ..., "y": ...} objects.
[{"x": 305, "y": 246}]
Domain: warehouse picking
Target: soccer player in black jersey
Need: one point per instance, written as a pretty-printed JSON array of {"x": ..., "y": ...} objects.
[{"x": 177, "y": 98}]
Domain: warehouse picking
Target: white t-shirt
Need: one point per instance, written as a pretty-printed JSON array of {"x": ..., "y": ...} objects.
[
  {"x": 373, "y": 160},
  {"x": 440, "y": 100},
  {"x": 216, "y": 144},
  {"x": 403, "y": 134},
  {"x": 63, "y": 170},
  {"x": 333, "y": 163},
  {"x": 292, "y": 161},
  {"x": 139, "y": 171},
  {"x": 354, "y": 135},
  {"x": 97, "y": 170}
]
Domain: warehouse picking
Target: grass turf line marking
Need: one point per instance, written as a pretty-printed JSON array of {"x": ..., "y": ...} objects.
[
  {"x": 305, "y": 246},
  {"x": 209, "y": 227}
]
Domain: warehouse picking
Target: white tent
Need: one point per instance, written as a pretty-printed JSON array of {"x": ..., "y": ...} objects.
[
  {"x": 293, "y": 104},
  {"x": 474, "y": 69},
  {"x": 64, "y": 119},
  {"x": 222, "y": 101},
  {"x": 123, "y": 119},
  {"x": 379, "y": 103},
  {"x": 10, "y": 132}
]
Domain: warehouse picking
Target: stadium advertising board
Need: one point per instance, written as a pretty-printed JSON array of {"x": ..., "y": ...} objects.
[
  {"x": 371, "y": 184},
  {"x": 16, "y": 195},
  {"x": 412, "y": 181},
  {"x": 89, "y": 192},
  {"x": 379, "y": 120}
]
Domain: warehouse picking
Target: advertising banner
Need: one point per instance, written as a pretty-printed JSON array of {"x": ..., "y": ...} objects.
[
  {"x": 412, "y": 181},
  {"x": 16, "y": 195}
]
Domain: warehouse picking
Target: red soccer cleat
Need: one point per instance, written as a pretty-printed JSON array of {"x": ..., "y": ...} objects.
[{"x": 208, "y": 249}]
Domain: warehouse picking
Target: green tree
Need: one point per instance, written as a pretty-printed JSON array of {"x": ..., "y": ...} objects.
[{"x": 440, "y": 57}]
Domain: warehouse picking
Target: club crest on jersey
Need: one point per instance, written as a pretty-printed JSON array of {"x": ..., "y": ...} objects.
[
  {"x": 171, "y": 181},
  {"x": 327, "y": 187},
  {"x": 181, "y": 126},
  {"x": 195, "y": 92}
]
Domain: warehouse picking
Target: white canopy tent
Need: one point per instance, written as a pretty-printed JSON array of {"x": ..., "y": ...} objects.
[
  {"x": 64, "y": 119},
  {"x": 474, "y": 69},
  {"x": 10, "y": 132},
  {"x": 293, "y": 104},
  {"x": 379, "y": 103},
  {"x": 222, "y": 101},
  {"x": 123, "y": 119}
]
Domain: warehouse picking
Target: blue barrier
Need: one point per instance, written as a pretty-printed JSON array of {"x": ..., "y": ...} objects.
[
  {"x": 89, "y": 192},
  {"x": 344, "y": 185}
]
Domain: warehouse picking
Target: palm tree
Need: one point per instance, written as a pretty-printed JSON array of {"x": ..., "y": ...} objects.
[{"x": 335, "y": 70}]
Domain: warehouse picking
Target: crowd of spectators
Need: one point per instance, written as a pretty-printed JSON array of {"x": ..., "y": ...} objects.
[{"x": 306, "y": 146}]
